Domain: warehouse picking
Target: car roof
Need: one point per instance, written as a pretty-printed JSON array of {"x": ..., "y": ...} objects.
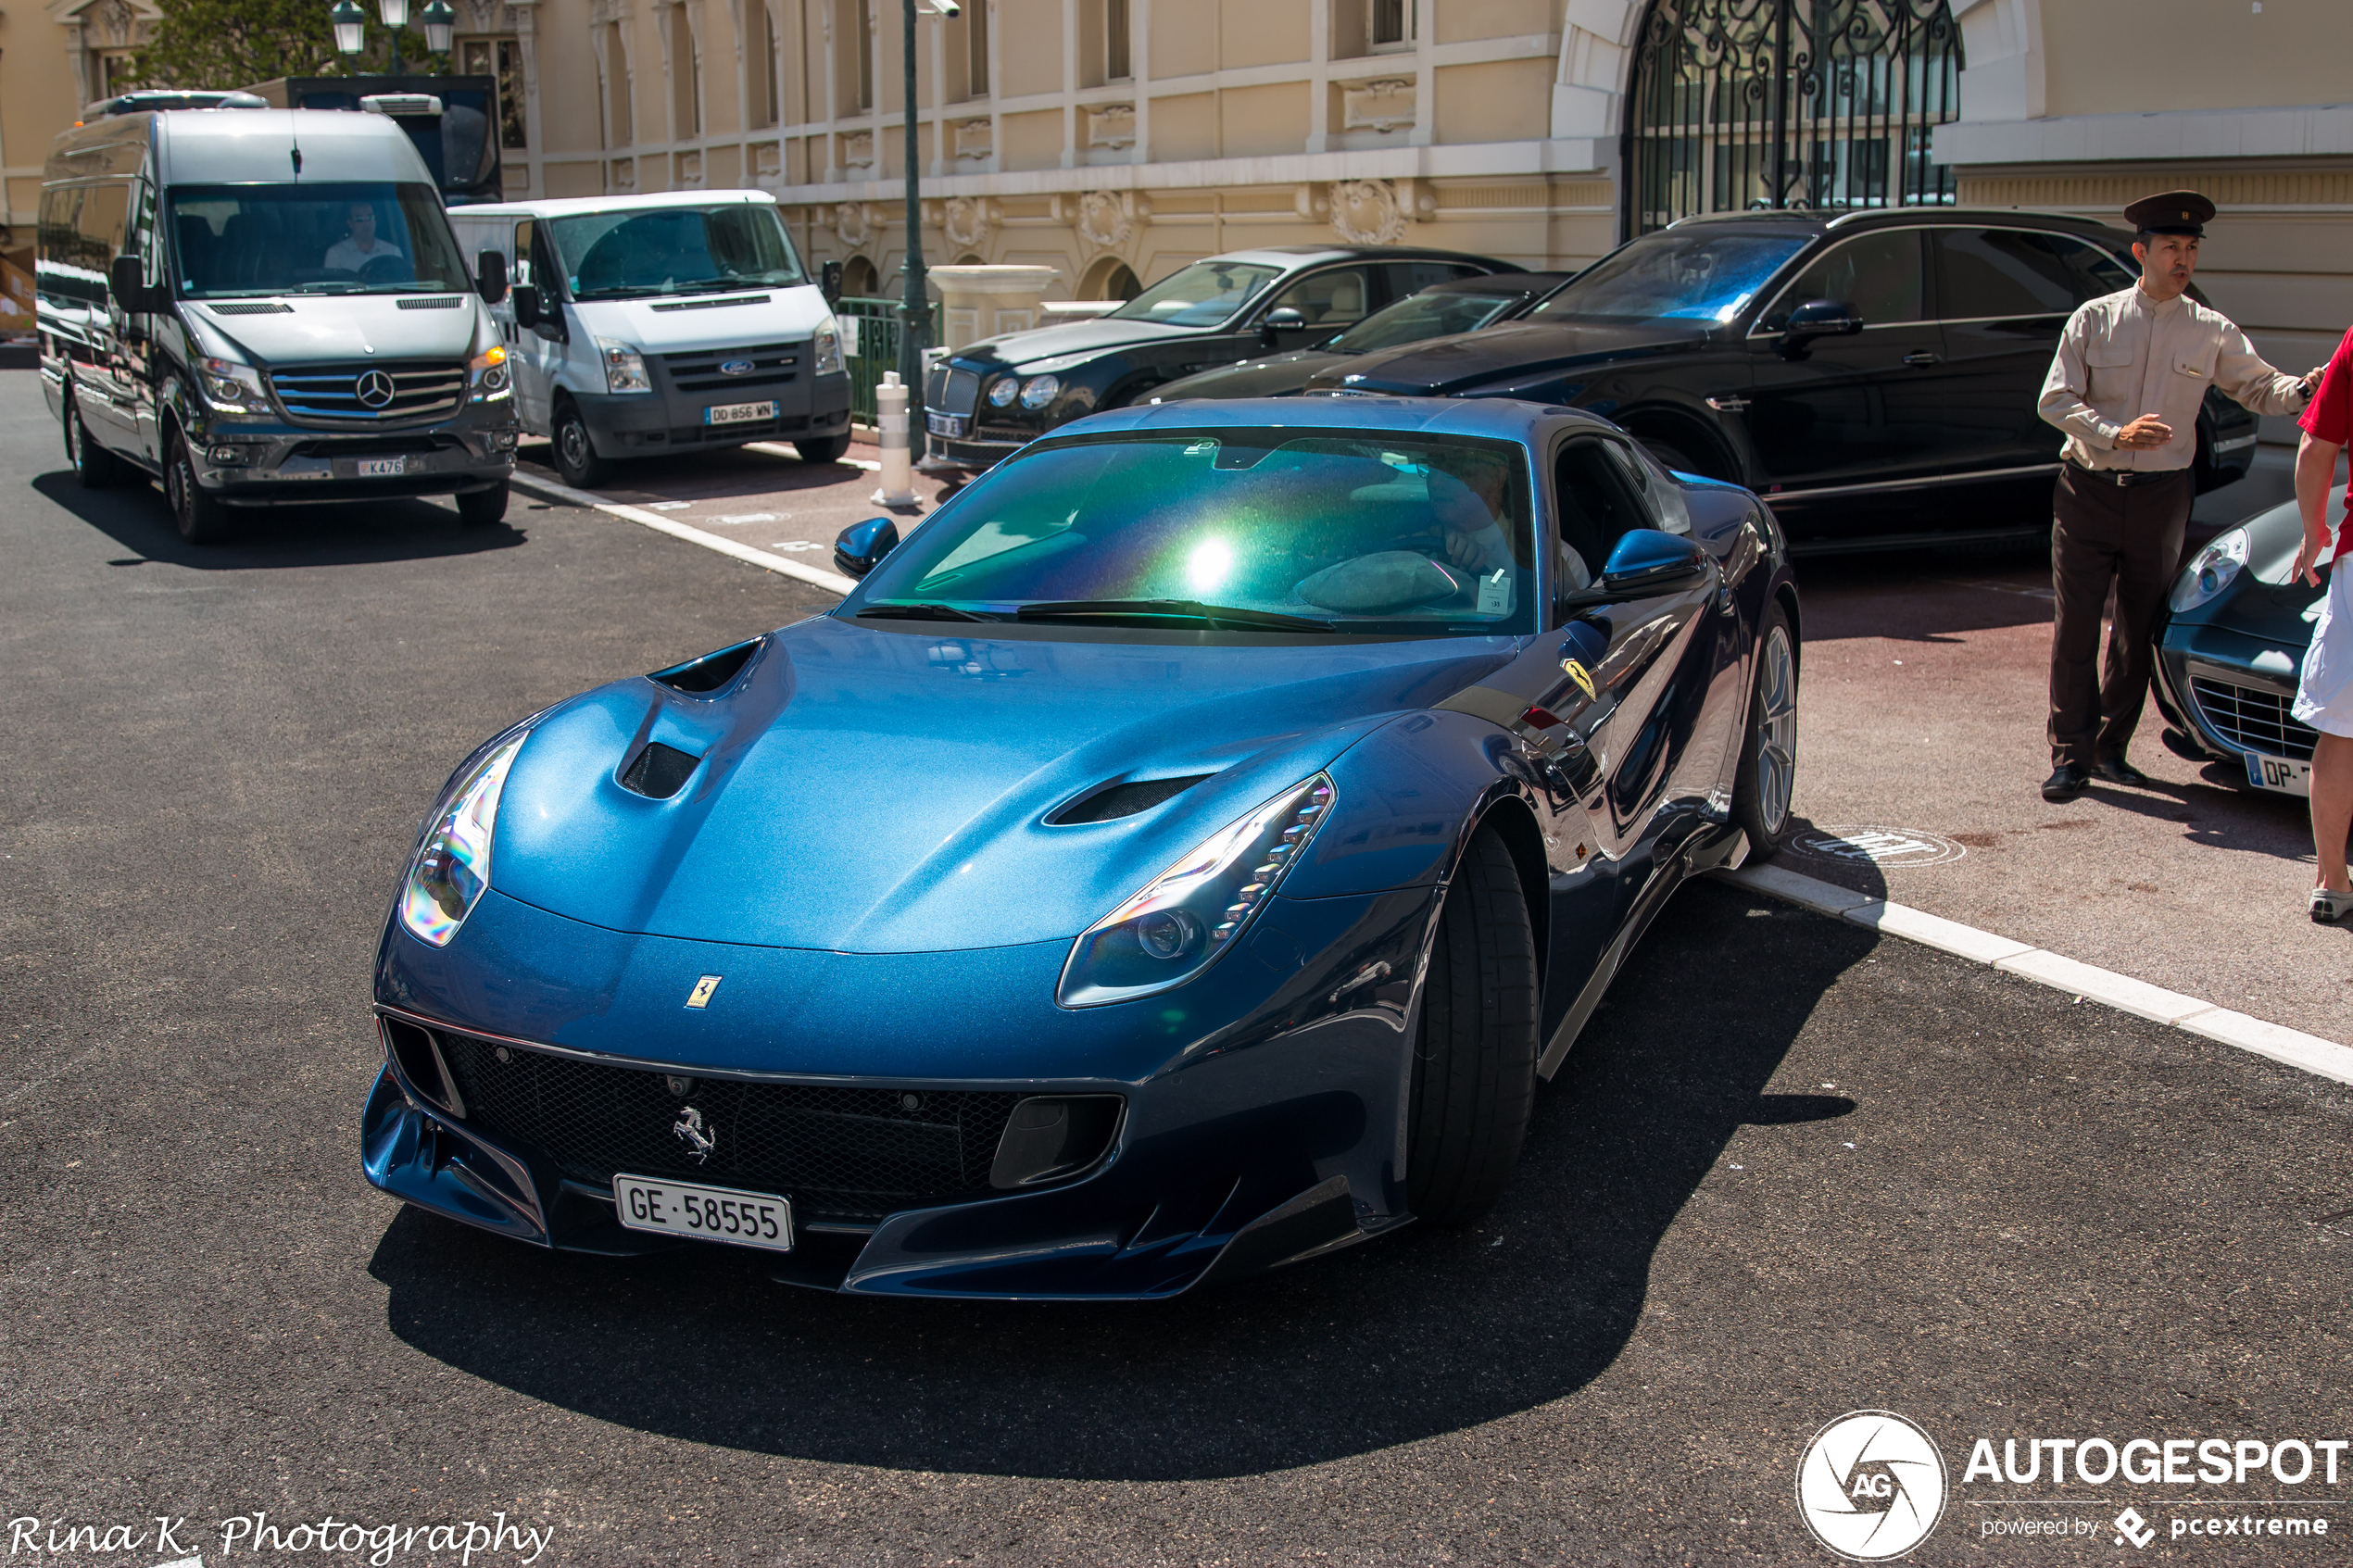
[
  {"x": 1497, "y": 282},
  {"x": 1502, "y": 419},
  {"x": 566, "y": 206},
  {"x": 1825, "y": 220},
  {"x": 1293, "y": 255}
]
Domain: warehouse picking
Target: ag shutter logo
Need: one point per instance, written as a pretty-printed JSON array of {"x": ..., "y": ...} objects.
[{"x": 1872, "y": 1486}]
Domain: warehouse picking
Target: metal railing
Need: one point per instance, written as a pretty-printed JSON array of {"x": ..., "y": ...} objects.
[{"x": 876, "y": 322}]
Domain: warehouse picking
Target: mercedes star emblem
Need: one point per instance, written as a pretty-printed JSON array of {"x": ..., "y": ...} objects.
[{"x": 376, "y": 389}]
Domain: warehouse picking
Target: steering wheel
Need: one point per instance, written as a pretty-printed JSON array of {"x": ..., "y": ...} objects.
[{"x": 390, "y": 268}]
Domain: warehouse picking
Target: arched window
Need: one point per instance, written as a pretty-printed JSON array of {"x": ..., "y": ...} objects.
[{"x": 1752, "y": 104}]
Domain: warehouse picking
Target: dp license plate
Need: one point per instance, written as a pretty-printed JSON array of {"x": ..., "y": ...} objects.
[
  {"x": 383, "y": 468},
  {"x": 746, "y": 1219},
  {"x": 2279, "y": 775},
  {"x": 738, "y": 413},
  {"x": 944, "y": 424}
]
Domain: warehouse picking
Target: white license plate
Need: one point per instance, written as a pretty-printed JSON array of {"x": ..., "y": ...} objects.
[
  {"x": 2279, "y": 775},
  {"x": 738, "y": 413},
  {"x": 744, "y": 1219},
  {"x": 383, "y": 468},
  {"x": 944, "y": 424}
]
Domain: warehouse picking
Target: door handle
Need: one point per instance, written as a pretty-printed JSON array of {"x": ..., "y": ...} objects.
[{"x": 1919, "y": 357}]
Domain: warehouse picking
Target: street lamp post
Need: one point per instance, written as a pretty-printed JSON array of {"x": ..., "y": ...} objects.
[
  {"x": 395, "y": 17},
  {"x": 914, "y": 309},
  {"x": 351, "y": 27}
]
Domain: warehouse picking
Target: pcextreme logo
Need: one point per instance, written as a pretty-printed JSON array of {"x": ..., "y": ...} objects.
[{"x": 1872, "y": 1486}]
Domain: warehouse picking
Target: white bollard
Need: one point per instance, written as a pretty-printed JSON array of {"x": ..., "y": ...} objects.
[{"x": 897, "y": 463}]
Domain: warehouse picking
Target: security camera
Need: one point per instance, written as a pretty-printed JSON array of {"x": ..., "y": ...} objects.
[{"x": 945, "y": 7}]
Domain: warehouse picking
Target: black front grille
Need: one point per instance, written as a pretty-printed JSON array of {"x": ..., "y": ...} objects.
[
  {"x": 950, "y": 391},
  {"x": 838, "y": 1153},
  {"x": 332, "y": 393},
  {"x": 773, "y": 364},
  {"x": 2253, "y": 718}
]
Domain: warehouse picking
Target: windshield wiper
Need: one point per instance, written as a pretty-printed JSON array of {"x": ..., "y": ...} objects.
[
  {"x": 902, "y": 609},
  {"x": 1170, "y": 609}
]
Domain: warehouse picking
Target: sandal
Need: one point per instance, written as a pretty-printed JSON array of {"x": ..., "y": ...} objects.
[{"x": 2329, "y": 907}]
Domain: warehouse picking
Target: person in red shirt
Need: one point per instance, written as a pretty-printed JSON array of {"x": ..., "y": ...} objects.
[{"x": 2325, "y": 692}]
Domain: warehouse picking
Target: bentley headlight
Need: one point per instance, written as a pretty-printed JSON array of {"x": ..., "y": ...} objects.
[
  {"x": 624, "y": 367},
  {"x": 824, "y": 351},
  {"x": 1193, "y": 911},
  {"x": 452, "y": 866},
  {"x": 1038, "y": 391},
  {"x": 2211, "y": 570},
  {"x": 230, "y": 386},
  {"x": 1002, "y": 391}
]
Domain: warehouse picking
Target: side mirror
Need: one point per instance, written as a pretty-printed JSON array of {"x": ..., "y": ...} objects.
[
  {"x": 526, "y": 300},
  {"x": 490, "y": 276},
  {"x": 1819, "y": 318},
  {"x": 130, "y": 289},
  {"x": 1282, "y": 319},
  {"x": 1646, "y": 559},
  {"x": 862, "y": 546},
  {"x": 829, "y": 282}
]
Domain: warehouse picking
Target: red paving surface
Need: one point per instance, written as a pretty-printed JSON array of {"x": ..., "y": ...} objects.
[{"x": 1923, "y": 708}]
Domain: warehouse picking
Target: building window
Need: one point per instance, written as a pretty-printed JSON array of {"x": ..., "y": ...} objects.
[
  {"x": 1115, "y": 18},
  {"x": 761, "y": 109},
  {"x": 686, "y": 75},
  {"x": 863, "y": 95},
  {"x": 614, "y": 64},
  {"x": 116, "y": 72},
  {"x": 501, "y": 57},
  {"x": 977, "y": 49},
  {"x": 1391, "y": 23}
]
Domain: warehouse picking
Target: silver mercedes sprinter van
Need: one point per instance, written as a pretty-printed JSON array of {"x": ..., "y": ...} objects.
[{"x": 263, "y": 307}]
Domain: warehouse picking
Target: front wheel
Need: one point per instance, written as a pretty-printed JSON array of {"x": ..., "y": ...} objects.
[
  {"x": 1768, "y": 779},
  {"x": 576, "y": 460},
  {"x": 1475, "y": 1056},
  {"x": 821, "y": 448},
  {"x": 200, "y": 519},
  {"x": 96, "y": 468},
  {"x": 480, "y": 508}
]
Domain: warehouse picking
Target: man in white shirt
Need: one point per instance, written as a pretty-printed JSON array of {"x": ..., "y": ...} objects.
[
  {"x": 359, "y": 247},
  {"x": 2125, "y": 385}
]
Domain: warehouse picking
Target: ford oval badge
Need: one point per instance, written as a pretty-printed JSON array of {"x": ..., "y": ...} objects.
[{"x": 737, "y": 367}]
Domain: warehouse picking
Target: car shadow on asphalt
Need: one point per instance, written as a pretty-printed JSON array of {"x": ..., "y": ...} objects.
[
  {"x": 1407, "y": 1337},
  {"x": 350, "y": 534},
  {"x": 727, "y": 473}
]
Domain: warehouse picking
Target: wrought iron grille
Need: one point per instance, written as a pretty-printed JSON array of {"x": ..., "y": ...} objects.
[{"x": 1742, "y": 105}]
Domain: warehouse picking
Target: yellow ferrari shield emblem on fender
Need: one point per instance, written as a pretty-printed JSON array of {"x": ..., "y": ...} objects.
[
  {"x": 701, "y": 996},
  {"x": 1580, "y": 674}
]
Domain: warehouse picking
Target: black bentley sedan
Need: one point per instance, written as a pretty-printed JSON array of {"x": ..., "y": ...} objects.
[
  {"x": 1873, "y": 374},
  {"x": 984, "y": 400}
]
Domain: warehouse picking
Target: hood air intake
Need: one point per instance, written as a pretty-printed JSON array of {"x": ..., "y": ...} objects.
[
  {"x": 699, "y": 677},
  {"x": 658, "y": 772},
  {"x": 1125, "y": 800}
]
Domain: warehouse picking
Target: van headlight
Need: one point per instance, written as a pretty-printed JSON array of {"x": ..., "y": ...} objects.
[
  {"x": 2211, "y": 570},
  {"x": 451, "y": 867},
  {"x": 487, "y": 373},
  {"x": 825, "y": 351},
  {"x": 624, "y": 367},
  {"x": 230, "y": 387},
  {"x": 1193, "y": 911}
]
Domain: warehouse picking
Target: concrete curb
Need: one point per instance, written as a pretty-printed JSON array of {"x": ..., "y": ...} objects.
[
  {"x": 548, "y": 489},
  {"x": 2292, "y": 1047}
]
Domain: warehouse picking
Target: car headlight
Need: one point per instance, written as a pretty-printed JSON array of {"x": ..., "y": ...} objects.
[
  {"x": 452, "y": 863},
  {"x": 1002, "y": 392},
  {"x": 487, "y": 372},
  {"x": 1038, "y": 391},
  {"x": 230, "y": 386},
  {"x": 824, "y": 353},
  {"x": 1192, "y": 911},
  {"x": 2211, "y": 570},
  {"x": 624, "y": 367}
]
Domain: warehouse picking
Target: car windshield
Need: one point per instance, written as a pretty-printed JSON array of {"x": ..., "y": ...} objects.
[
  {"x": 313, "y": 238},
  {"x": 1699, "y": 274},
  {"x": 1200, "y": 295},
  {"x": 1421, "y": 315},
  {"x": 1343, "y": 529},
  {"x": 676, "y": 250}
]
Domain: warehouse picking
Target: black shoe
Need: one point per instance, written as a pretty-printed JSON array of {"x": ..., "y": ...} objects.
[
  {"x": 2115, "y": 770},
  {"x": 2067, "y": 782}
]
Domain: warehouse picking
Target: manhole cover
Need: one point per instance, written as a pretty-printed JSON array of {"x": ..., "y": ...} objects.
[{"x": 1877, "y": 845}]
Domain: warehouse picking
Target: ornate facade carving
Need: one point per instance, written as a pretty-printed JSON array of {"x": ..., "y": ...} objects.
[
  {"x": 854, "y": 221},
  {"x": 1110, "y": 125},
  {"x": 857, "y": 150},
  {"x": 1384, "y": 105},
  {"x": 1366, "y": 212},
  {"x": 968, "y": 222},
  {"x": 1108, "y": 219},
  {"x": 975, "y": 138}
]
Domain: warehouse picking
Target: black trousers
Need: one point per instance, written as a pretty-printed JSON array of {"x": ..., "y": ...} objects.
[{"x": 2105, "y": 534}]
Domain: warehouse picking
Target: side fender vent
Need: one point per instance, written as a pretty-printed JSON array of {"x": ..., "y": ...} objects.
[
  {"x": 699, "y": 677},
  {"x": 1123, "y": 799},
  {"x": 658, "y": 772}
]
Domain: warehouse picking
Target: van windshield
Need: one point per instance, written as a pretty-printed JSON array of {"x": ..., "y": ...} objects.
[
  {"x": 324, "y": 238},
  {"x": 675, "y": 250}
]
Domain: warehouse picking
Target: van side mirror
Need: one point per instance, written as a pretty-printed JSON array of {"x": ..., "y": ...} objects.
[
  {"x": 862, "y": 546},
  {"x": 829, "y": 282},
  {"x": 130, "y": 289},
  {"x": 1645, "y": 559},
  {"x": 1818, "y": 318},
  {"x": 526, "y": 300},
  {"x": 490, "y": 276}
]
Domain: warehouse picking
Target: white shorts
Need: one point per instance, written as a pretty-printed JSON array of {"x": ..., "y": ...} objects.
[{"x": 2325, "y": 694}]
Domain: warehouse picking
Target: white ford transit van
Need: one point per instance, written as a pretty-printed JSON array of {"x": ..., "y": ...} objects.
[
  {"x": 266, "y": 305},
  {"x": 639, "y": 325}
]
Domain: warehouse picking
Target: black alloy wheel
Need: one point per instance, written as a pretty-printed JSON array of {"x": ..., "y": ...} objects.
[
  {"x": 821, "y": 448},
  {"x": 200, "y": 519},
  {"x": 576, "y": 460},
  {"x": 480, "y": 508},
  {"x": 1475, "y": 1055},
  {"x": 1767, "y": 778},
  {"x": 96, "y": 468}
]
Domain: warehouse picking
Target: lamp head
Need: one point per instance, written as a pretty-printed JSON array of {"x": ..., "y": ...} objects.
[{"x": 351, "y": 26}]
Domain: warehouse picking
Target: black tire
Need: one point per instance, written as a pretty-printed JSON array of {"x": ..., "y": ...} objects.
[
  {"x": 577, "y": 463},
  {"x": 1767, "y": 779},
  {"x": 200, "y": 519},
  {"x": 1475, "y": 1056},
  {"x": 96, "y": 468},
  {"x": 480, "y": 508},
  {"x": 821, "y": 448}
]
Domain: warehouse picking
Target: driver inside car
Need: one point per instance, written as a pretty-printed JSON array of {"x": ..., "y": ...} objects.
[{"x": 360, "y": 246}]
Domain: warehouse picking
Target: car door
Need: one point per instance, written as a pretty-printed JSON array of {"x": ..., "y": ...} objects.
[
  {"x": 538, "y": 352},
  {"x": 2003, "y": 295},
  {"x": 101, "y": 219},
  {"x": 1327, "y": 299},
  {"x": 137, "y": 377},
  {"x": 1838, "y": 411}
]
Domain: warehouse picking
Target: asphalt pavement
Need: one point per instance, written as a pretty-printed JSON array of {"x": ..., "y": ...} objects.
[{"x": 1793, "y": 1171}]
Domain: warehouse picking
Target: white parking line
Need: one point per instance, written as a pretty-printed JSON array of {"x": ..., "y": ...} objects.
[
  {"x": 2293, "y": 1047},
  {"x": 832, "y": 581},
  {"x": 778, "y": 449}
]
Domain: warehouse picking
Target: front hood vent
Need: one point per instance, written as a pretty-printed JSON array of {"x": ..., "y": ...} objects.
[
  {"x": 699, "y": 677},
  {"x": 1123, "y": 799},
  {"x": 658, "y": 772}
]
